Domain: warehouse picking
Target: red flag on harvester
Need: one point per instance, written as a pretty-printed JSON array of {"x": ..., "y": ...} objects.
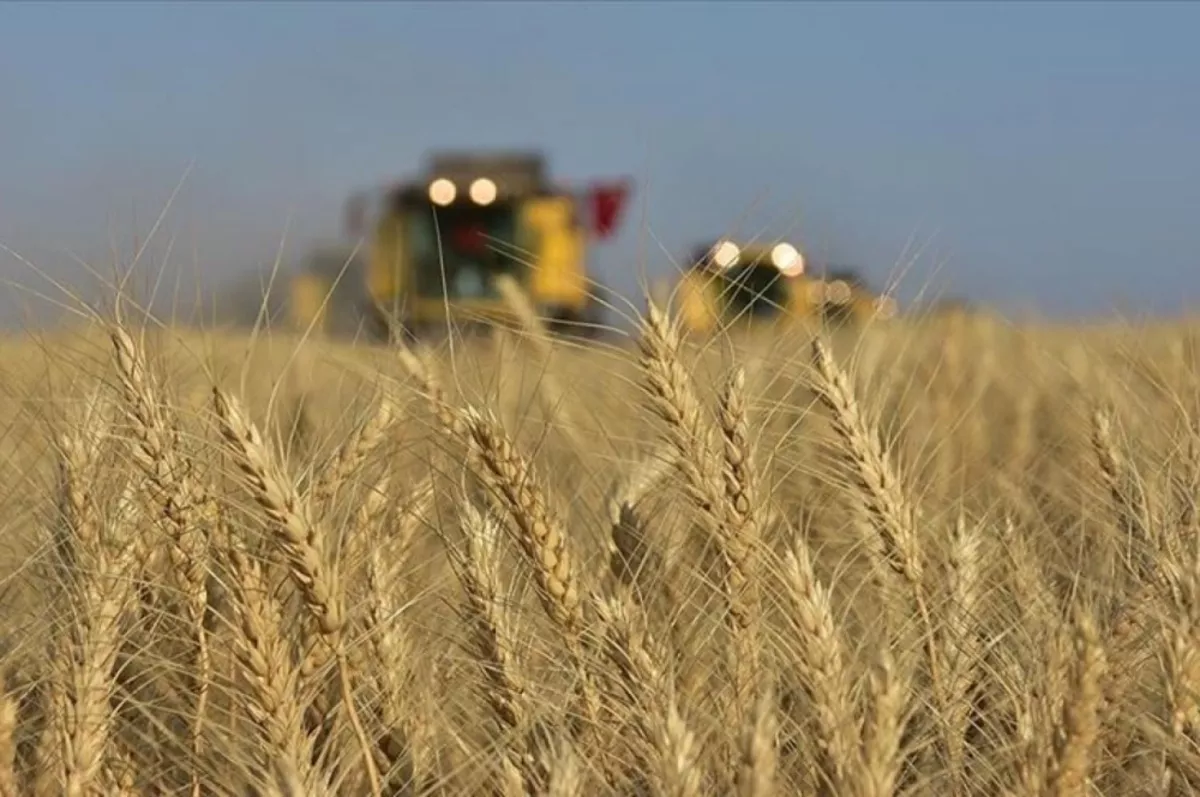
[{"x": 606, "y": 202}]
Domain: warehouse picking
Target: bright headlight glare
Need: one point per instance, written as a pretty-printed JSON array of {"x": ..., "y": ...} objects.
[
  {"x": 787, "y": 259},
  {"x": 726, "y": 254},
  {"x": 442, "y": 191},
  {"x": 783, "y": 255},
  {"x": 483, "y": 191}
]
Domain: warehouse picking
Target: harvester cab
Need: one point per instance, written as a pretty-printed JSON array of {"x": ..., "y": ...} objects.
[{"x": 437, "y": 243}]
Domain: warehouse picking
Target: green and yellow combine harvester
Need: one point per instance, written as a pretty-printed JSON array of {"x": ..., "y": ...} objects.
[
  {"x": 434, "y": 245},
  {"x": 727, "y": 285}
]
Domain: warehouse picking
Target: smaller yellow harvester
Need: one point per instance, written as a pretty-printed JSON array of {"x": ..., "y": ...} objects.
[{"x": 729, "y": 284}]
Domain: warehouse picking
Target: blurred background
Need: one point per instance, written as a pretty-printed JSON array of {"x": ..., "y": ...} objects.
[{"x": 1033, "y": 157}]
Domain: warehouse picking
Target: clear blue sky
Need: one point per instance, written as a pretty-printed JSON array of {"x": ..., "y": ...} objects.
[{"x": 1030, "y": 154}]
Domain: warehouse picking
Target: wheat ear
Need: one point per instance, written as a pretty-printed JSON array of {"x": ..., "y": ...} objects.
[
  {"x": 561, "y": 762},
  {"x": 961, "y": 651},
  {"x": 1080, "y": 725},
  {"x": 690, "y": 432},
  {"x": 391, "y": 649},
  {"x": 301, "y": 542},
  {"x": 515, "y": 483},
  {"x": 99, "y": 595},
  {"x": 273, "y": 703},
  {"x": 823, "y": 668},
  {"x": 672, "y": 758},
  {"x": 756, "y": 776},
  {"x": 173, "y": 486},
  {"x": 882, "y": 757},
  {"x": 893, "y": 514},
  {"x": 354, "y": 451},
  {"x": 506, "y": 691},
  {"x": 1128, "y": 499},
  {"x": 742, "y": 527}
]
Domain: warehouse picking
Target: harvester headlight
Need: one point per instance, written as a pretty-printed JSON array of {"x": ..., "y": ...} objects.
[
  {"x": 483, "y": 191},
  {"x": 726, "y": 254},
  {"x": 787, "y": 259},
  {"x": 442, "y": 191}
]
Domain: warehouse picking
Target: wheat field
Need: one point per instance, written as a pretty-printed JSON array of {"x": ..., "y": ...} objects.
[{"x": 942, "y": 557}]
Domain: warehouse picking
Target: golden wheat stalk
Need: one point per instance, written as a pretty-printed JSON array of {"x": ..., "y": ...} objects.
[
  {"x": 273, "y": 700},
  {"x": 432, "y": 389},
  {"x": 562, "y": 763},
  {"x": 391, "y": 655},
  {"x": 742, "y": 529},
  {"x": 302, "y": 543},
  {"x": 961, "y": 650},
  {"x": 99, "y": 595},
  {"x": 1128, "y": 496},
  {"x": 506, "y": 691},
  {"x": 79, "y": 450},
  {"x": 515, "y": 483},
  {"x": 354, "y": 451},
  {"x": 673, "y": 400},
  {"x": 824, "y": 670},
  {"x": 671, "y": 756},
  {"x": 176, "y": 489},
  {"x": 1182, "y": 685},
  {"x": 391, "y": 660},
  {"x": 714, "y": 486},
  {"x": 1080, "y": 725},
  {"x": 893, "y": 514},
  {"x": 882, "y": 733},
  {"x": 757, "y": 774}
]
